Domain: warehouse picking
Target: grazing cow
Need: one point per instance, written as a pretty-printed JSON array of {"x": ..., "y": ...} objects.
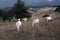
[
  {"x": 24, "y": 19},
  {"x": 18, "y": 24},
  {"x": 49, "y": 19},
  {"x": 35, "y": 21}
]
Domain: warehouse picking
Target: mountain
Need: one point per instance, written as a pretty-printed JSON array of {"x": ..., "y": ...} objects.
[{"x": 6, "y": 8}]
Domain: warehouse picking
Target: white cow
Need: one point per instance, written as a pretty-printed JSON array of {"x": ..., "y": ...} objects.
[
  {"x": 35, "y": 21},
  {"x": 48, "y": 19},
  {"x": 18, "y": 24},
  {"x": 24, "y": 19}
]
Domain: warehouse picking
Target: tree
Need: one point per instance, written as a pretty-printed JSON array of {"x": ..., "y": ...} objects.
[
  {"x": 20, "y": 10},
  {"x": 5, "y": 16},
  {"x": 1, "y": 12}
]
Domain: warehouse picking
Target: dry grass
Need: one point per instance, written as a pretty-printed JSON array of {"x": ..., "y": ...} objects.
[{"x": 43, "y": 31}]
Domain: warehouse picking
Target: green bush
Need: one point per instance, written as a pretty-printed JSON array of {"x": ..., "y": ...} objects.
[{"x": 57, "y": 9}]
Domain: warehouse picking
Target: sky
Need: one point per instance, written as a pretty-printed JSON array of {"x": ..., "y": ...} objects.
[
  {"x": 41, "y": 2},
  {"x": 7, "y": 3},
  {"x": 10, "y": 3}
]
